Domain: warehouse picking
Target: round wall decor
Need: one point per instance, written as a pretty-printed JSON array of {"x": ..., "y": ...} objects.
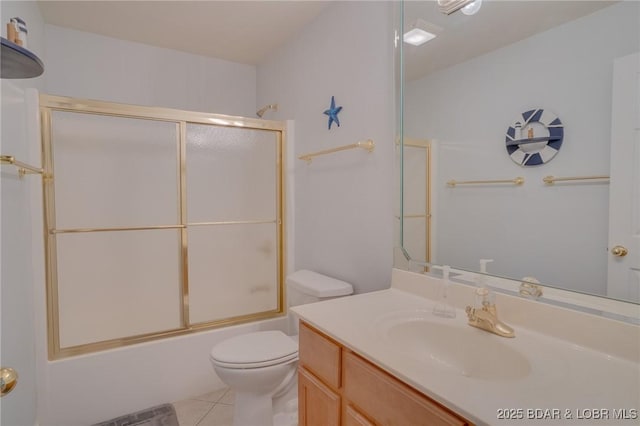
[{"x": 535, "y": 137}]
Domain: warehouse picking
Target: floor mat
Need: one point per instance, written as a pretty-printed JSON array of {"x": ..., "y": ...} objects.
[{"x": 161, "y": 415}]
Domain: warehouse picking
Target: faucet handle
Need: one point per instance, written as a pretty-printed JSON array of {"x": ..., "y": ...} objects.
[
  {"x": 484, "y": 298},
  {"x": 529, "y": 287},
  {"x": 470, "y": 311},
  {"x": 471, "y": 314}
]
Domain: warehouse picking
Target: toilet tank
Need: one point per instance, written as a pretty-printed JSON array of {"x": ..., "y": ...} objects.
[{"x": 306, "y": 286}]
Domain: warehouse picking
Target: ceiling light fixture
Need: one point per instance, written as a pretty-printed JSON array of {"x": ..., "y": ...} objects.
[
  {"x": 417, "y": 36},
  {"x": 469, "y": 7},
  {"x": 472, "y": 7},
  {"x": 421, "y": 32}
]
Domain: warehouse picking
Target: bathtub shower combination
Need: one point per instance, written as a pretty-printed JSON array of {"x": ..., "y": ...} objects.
[{"x": 158, "y": 222}]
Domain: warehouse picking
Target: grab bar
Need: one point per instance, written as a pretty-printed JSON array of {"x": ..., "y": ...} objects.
[
  {"x": 368, "y": 145},
  {"x": 23, "y": 168},
  {"x": 517, "y": 181},
  {"x": 550, "y": 180}
]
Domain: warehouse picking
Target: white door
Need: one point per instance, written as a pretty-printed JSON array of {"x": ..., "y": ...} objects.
[{"x": 624, "y": 196}]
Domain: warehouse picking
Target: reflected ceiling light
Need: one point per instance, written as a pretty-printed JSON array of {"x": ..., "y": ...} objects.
[
  {"x": 472, "y": 7},
  {"x": 417, "y": 36},
  {"x": 421, "y": 32},
  {"x": 469, "y": 7}
]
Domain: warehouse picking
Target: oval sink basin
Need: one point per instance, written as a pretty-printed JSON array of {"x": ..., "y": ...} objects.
[{"x": 455, "y": 347}]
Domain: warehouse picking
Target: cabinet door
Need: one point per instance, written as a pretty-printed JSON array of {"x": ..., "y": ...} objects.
[{"x": 318, "y": 405}]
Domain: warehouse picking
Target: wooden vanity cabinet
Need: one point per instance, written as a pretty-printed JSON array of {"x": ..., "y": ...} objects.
[
  {"x": 318, "y": 379},
  {"x": 318, "y": 405},
  {"x": 354, "y": 418},
  {"x": 337, "y": 387}
]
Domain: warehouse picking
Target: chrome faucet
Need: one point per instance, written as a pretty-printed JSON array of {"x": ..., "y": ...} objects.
[{"x": 486, "y": 317}]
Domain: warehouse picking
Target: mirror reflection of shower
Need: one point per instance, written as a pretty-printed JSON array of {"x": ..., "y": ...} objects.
[{"x": 266, "y": 108}]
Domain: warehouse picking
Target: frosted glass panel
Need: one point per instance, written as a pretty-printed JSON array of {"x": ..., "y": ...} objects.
[
  {"x": 232, "y": 271},
  {"x": 117, "y": 284},
  {"x": 113, "y": 171},
  {"x": 231, "y": 173}
]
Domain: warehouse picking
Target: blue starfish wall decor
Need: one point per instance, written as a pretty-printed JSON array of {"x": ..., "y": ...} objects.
[{"x": 332, "y": 112}]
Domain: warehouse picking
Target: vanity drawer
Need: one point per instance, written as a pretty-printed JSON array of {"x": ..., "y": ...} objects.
[
  {"x": 386, "y": 400},
  {"x": 320, "y": 355}
]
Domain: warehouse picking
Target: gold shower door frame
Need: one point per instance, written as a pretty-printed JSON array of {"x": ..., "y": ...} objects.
[
  {"x": 427, "y": 215},
  {"x": 49, "y": 104}
]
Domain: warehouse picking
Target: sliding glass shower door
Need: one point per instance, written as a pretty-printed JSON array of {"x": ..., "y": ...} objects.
[
  {"x": 158, "y": 222},
  {"x": 232, "y": 221}
]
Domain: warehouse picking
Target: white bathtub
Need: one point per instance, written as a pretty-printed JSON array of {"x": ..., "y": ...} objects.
[{"x": 90, "y": 388}]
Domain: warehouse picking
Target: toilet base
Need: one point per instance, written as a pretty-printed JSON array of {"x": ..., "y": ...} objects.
[
  {"x": 289, "y": 415},
  {"x": 285, "y": 419},
  {"x": 251, "y": 409}
]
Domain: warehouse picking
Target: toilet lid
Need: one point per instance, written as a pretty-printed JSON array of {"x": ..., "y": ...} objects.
[{"x": 252, "y": 350}]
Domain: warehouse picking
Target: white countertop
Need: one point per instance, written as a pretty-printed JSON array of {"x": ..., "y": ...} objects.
[{"x": 570, "y": 382}]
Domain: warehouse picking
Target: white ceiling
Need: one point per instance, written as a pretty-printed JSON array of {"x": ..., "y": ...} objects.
[
  {"x": 249, "y": 31},
  {"x": 239, "y": 31}
]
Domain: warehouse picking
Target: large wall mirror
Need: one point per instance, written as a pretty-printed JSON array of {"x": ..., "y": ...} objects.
[{"x": 521, "y": 142}]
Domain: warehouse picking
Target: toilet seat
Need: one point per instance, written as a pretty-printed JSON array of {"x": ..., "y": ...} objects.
[{"x": 255, "y": 350}]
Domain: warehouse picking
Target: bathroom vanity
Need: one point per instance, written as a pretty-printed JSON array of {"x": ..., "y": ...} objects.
[
  {"x": 336, "y": 386},
  {"x": 383, "y": 358}
]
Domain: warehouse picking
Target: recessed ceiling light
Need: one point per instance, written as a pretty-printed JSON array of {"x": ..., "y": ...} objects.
[
  {"x": 421, "y": 32},
  {"x": 418, "y": 36}
]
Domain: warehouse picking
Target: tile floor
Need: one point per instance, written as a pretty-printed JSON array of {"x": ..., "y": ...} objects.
[{"x": 212, "y": 409}]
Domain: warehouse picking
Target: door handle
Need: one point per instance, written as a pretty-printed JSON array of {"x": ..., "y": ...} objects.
[
  {"x": 8, "y": 380},
  {"x": 619, "y": 251}
]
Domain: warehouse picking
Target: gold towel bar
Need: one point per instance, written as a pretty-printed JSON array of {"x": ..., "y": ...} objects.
[
  {"x": 517, "y": 181},
  {"x": 550, "y": 180},
  {"x": 23, "y": 168},
  {"x": 368, "y": 145}
]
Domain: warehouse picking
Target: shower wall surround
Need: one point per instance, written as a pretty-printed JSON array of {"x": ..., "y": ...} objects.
[
  {"x": 91, "y": 66},
  {"x": 73, "y": 391}
]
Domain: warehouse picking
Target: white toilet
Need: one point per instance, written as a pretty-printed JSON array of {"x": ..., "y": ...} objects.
[{"x": 261, "y": 367}]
